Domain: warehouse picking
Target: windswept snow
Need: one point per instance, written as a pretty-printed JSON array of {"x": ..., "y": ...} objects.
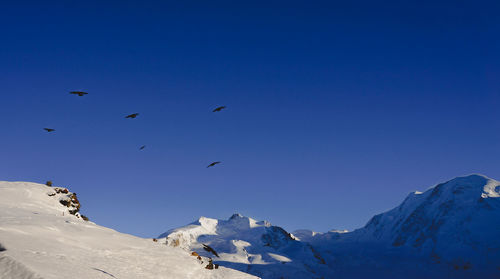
[
  {"x": 43, "y": 241},
  {"x": 9, "y": 268}
]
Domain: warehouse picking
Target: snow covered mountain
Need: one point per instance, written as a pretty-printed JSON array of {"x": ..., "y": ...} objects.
[
  {"x": 42, "y": 235},
  {"x": 451, "y": 230},
  {"x": 251, "y": 246}
]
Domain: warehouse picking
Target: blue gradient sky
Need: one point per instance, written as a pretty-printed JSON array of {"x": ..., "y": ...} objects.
[{"x": 335, "y": 112}]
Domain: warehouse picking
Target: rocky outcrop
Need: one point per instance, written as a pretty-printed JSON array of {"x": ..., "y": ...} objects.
[
  {"x": 276, "y": 237},
  {"x": 67, "y": 199},
  {"x": 211, "y": 265}
]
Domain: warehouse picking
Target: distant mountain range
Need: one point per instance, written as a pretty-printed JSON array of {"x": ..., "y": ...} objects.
[{"x": 451, "y": 230}]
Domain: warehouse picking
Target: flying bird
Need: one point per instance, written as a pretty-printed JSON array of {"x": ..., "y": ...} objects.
[
  {"x": 79, "y": 93},
  {"x": 133, "y": 115},
  {"x": 219, "y": 108},
  {"x": 49, "y": 130},
  {"x": 213, "y": 164},
  {"x": 210, "y": 250},
  {"x": 142, "y": 147}
]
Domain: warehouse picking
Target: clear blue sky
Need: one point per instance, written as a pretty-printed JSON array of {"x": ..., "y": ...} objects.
[{"x": 336, "y": 111}]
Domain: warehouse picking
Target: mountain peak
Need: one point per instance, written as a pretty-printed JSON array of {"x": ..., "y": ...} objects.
[
  {"x": 479, "y": 184},
  {"x": 208, "y": 224},
  {"x": 235, "y": 215},
  {"x": 448, "y": 213},
  {"x": 247, "y": 244},
  {"x": 464, "y": 189},
  {"x": 472, "y": 179}
]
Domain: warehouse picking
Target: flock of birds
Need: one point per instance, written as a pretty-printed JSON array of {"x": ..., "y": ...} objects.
[{"x": 134, "y": 115}]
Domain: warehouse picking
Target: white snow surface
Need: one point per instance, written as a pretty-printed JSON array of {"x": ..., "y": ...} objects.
[
  {"x": 256, "y": 247},
  {"x": 40, "y": 239}
]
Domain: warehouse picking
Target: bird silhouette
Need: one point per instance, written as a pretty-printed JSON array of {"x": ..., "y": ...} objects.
[
  {"x": 219, "y": 108},
  {"x": 133, "y": 115},
  {"x": 79, "y": 93},
  {"x": 210, "y": 250},
  {"x": 142, "y": 147},
  {"x": 213, "y": 164},
  {"x": 49, "y": 130}
]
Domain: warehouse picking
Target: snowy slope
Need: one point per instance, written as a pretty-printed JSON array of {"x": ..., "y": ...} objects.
[
  {"x": 40, "y": 239},
  {"x": 450, "y": 230},
  {"x": 252, "y": 246}
]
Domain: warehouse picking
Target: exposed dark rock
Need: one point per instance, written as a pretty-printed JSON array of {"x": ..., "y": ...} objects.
[
  {"x": 69, "y": 200},
  {"x": 175, "y": 242},
  {"x": 316, "y": 255},
  {"x": 210, "y": 264},
  {"x": 276, "y": 237},
  {"x": 61, "y": 190},
  {"x": 65, "y": 202}
]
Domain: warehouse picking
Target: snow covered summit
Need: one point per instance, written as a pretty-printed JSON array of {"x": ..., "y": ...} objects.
[
  {"x": 452, "y": 228},
  {"x": 252, "y": 246},
  {"x": 462, "y": 211}
]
